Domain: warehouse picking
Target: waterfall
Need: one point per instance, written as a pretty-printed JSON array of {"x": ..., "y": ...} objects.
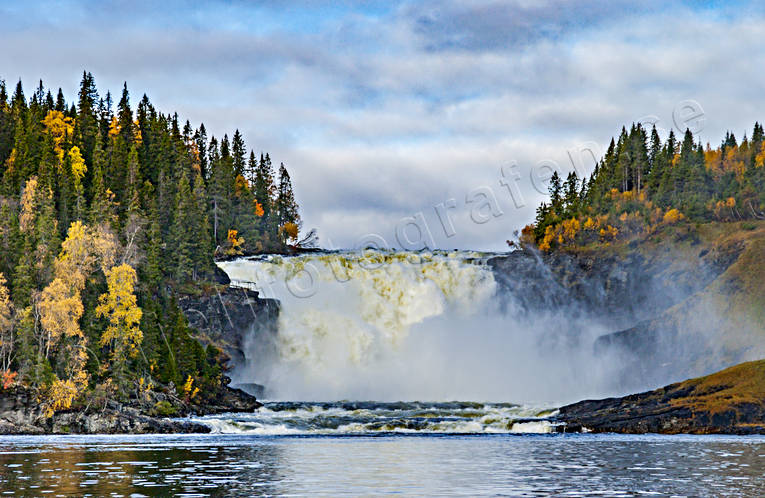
[{"x": 397, "y": 326}]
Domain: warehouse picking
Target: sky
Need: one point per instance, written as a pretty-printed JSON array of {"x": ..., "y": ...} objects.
[{"x": 405, "y": 124}]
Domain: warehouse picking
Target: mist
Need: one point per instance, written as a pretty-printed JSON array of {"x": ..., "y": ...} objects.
[{"x": 417, "y": 326}]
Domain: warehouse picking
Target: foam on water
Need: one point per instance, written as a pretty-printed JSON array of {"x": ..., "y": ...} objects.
[{"x": 346, "y": 418}]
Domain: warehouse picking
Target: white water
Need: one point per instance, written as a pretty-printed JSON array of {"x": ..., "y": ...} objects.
[
  {"x": 406, "y": 326},
  {"x": 357, "y": 418}
]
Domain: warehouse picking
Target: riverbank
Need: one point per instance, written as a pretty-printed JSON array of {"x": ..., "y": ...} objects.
[
  {"x": 731, "y": 401},
  {"x": 222, "y": 317},
  {"x": 153, "y": 413}
]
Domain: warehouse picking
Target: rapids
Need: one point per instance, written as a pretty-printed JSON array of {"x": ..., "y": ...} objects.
[{"x": 365, "y": 418}]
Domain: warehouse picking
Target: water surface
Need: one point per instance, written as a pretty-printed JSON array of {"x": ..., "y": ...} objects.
[{"x": 420, "y": 464}]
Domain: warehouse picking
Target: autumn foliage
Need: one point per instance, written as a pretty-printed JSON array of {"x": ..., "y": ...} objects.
[
  {"x": 643, "y": 184},
  {"x": 109, "y": 210}
]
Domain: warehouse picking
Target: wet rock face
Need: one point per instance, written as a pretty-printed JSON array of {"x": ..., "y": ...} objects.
[
  {"x": 632, "y": 291},
  {"x": 227, "y": 317},
  {"x": 617, "y": 289}
]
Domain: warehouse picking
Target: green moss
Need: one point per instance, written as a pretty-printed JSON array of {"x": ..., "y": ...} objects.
[{"x": 164, "y": 409}]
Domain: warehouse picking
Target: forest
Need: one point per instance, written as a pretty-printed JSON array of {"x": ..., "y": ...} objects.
[
  {"x": 643, "y": 183},
  {"x": 105, "y": 216}
]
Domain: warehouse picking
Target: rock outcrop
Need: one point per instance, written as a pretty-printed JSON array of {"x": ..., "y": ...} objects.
[
  {"x": 728, "y": 402},
  {"x": 227, "y": 317},
  {"x": 20, "y": 413}
]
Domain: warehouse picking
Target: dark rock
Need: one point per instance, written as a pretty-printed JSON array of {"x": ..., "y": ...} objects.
[
  {"x": 728, "y": 402},
  {"x": 630, "y": 289},
  {"x": 251, "y": 388},
  {"x": 227, "y": 399},
  {"x": 227, "y": 318},
  {"x": 20, "y": 413},
  {"x": 221, "y": 277}
]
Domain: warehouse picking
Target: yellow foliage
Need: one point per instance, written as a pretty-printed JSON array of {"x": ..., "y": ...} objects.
[
  {"x": 114, "y": 127},
  {"x": 290, "y": 230},
  {"x": 144, "y": 387},
  {"x": 240, "y": 185},
  {"x": 6, "y": 309},
  {"x": 120, "y": 306},
  {"x": 608, "y": 233},
  {"x": 673, "y": 216},
  {"x": 10, "y": 163},
  {"x": 188, "y": 388},
  {"x": 548, "y": 238},
  {"x": 60, "y": 304},
  {"x": 713, "y": 159},
  {"x": 59, "y": 127},
  {"x": 60, "y": 309},
  {"x": 259, "y": 212},
  {"x": 235, "y": 243},
  {"x": 759, "y": 160},
  {"x": 570, "y": 229},
  {"x": 137, "y": 133},
  {"x": 6, "y": 327},
  {"x": 81, "y": 250},
  {"x": 61, "y": 395},
  {"x": 723, "y": 210},
  {"x": 28, "y": 206},
  {"x": 78, "y": 163},
  {"x": 589, "y": 224}
]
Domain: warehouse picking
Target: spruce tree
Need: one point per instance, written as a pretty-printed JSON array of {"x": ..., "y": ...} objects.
[
  {"x": 286, "y": 206},
  {"x": 86, "y": 116},
  {"x": 182, "y": 242},
  {"x": 238, "y": 154}
]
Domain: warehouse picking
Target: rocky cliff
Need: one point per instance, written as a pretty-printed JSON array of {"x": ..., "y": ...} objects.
[
  {"x": 682, "y": 302},
  {"x": 229, "y": 315}
]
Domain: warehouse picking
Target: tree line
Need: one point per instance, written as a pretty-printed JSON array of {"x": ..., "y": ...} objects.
[
  {"x": 643, "y": 182},
  {"x": 105, "y": 214}
]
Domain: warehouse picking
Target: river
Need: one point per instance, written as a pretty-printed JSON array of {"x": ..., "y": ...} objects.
[{"x": 421, "y": 465}]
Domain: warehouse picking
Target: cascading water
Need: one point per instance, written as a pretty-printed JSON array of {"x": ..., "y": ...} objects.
[{"x": 373, "y": 325}]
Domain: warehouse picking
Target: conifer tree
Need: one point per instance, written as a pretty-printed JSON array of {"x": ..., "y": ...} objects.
[
  {"x": 238, "y": 154},
  {"x": 286, "y": 207},
  {"x": 86, "y": 116},
  {"x": 182, "y": 236}
]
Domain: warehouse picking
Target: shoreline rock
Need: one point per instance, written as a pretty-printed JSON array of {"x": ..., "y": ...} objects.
[
  {"x": 22, "y": 414},
  {"x": 731, "y": 401}
]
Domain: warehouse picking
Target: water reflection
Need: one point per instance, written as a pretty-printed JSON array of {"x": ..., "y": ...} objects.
[
  {"x": 151, "y": 466},
  {"x": 417, "y": 465}
]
